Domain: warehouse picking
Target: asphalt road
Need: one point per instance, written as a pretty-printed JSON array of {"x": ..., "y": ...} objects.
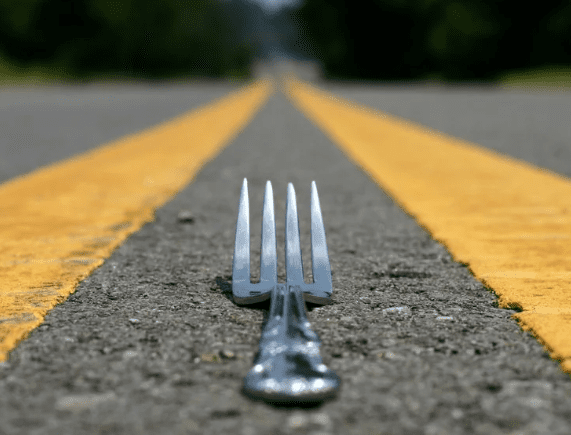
[
  {"x": 528, "y": 125},
  {"x": 152, "y": 343},
  {"x": 42, "y": 125}
]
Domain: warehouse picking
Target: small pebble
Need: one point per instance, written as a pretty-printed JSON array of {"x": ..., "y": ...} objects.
[
  {"x": 227, "y": 354},
  {"x": 185, "y": 217},
  {"x": 322, "y": 419},
  {"x": 297, "y": 420},
  {"x": 445, "y": 318},
  {"x": 535, "y": 402},
  {"x": 129, "y": 354},
  {"x": 84, "y": 401},
  {"x": 134, "y": 320},
  {"x": 347, "y": 322},
  {"x": 392, "y": 356},
  {"x": 396, "y": 310},
  {"x": 210, "y": 357}
]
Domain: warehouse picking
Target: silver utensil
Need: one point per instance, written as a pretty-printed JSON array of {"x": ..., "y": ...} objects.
[
  {"x": 245, "y": 292},
  {"x": 288, "y": 367}
]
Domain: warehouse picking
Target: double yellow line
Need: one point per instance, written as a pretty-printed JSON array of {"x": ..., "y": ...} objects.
[
  {"x": 59, "y": 223},
  {"x": 509, "y": 221}
]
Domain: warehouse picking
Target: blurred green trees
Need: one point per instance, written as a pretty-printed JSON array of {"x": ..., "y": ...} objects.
[
  {"x": 448, "y": 39},
  {"x": 141, "y": 38},
  {"x": 370, "y": 39}
]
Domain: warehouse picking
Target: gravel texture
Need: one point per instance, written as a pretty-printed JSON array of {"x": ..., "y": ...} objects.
[{"x": 151, "y": 342}]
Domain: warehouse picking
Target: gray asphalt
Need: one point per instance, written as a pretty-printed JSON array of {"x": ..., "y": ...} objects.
[
  {"x": 42, "y": 125},
  {"x": 526, "y": 124},
  {"x": 152, "y": 343}
]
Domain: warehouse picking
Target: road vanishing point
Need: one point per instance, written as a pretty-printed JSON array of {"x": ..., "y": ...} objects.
[{"x": 447, "y": 211}]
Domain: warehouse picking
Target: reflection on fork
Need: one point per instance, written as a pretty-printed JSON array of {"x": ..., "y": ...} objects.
[{"x": 288, "y": 367}]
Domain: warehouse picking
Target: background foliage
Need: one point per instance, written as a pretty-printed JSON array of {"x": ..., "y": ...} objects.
[
  {"x": 365, "y": 39},
  {"x": 127, "y": 37},
  {"x": 449, "y": 39}
]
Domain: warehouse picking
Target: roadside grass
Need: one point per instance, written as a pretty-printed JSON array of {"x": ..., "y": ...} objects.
[
  {"x": 546, "y": 78},
  {"x": 14, "y": 75},
  {"x": 555, "y": 78},
  {"x": 40, "y": 75}
]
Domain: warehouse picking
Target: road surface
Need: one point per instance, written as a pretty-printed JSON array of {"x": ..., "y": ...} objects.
[{"x": 151, "y": 341}]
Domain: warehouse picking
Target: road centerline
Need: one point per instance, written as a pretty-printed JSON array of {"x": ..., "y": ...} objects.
[
  {"x": 506, "y": 219},
  {"x": 58, "y": 223}
]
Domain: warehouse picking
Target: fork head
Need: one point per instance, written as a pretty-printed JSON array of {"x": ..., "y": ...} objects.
[{"x": 246, "y": 292}]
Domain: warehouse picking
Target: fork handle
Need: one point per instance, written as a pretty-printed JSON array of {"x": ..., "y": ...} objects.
[{"x": 288, "y": 367}]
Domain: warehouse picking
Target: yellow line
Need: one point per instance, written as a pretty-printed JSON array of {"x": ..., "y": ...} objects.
[
  {"x": 508, "y": 220},
  {"x": 59, "y": 223}
]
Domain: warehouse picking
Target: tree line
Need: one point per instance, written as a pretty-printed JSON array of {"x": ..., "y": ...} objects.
[
  {"x": 366, "y": 39},
  {"x": 448, "y": 39},
  {"x": 142, "y": 38}
]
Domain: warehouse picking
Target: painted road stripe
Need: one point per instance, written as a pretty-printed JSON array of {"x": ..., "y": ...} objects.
[
  {"x": 508, "y": 220},
  {"x": 59, "y": 223}
]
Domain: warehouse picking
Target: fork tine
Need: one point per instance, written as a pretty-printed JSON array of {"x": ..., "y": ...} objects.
[
  {"x": 241, "y": 263},
  {"x": 269, "y": 259},
  {"x": 319, "y": 256},
  {"x": 294, "y": 265}
]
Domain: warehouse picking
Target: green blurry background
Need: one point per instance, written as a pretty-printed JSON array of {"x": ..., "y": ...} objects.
[{"x": 349, "y": 39}]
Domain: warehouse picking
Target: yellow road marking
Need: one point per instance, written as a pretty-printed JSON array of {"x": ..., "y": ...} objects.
[
  {"x": 508, "y": 220},
  {"x": 60, "y": 222}
]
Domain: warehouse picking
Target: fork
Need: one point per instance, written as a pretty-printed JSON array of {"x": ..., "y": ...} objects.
[
  {"x": 244, "y": 291},
  {"x": 288, "y": 367}
]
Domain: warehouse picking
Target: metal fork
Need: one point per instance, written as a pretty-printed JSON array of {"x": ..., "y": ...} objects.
[
  {"x": 243, "y": 290},
  {"x": 288, "y": 367}
]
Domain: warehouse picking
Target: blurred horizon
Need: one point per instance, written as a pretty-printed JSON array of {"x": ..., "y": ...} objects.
[{"x": 385, "y": 40}]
